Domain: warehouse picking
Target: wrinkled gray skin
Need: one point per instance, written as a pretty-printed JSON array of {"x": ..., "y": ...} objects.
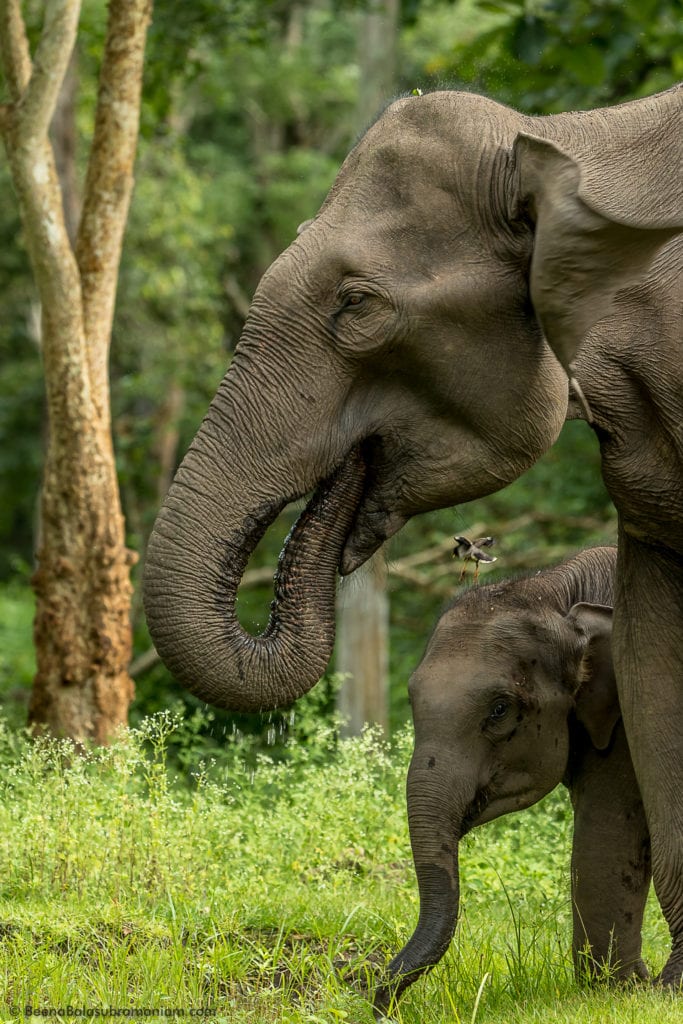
[
  {"x": 516, "y": 693},
  {"x": 409, "y": 351}
]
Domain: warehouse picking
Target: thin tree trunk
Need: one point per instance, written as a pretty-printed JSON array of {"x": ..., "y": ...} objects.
[
  {"x": 82, "y": 633},
  {"x": 64, "y": 137},
  {"x": 363, "y": 648},
  {"x": 377, "y": 55},
  {"x": 363, "y": 619},
  {"x": 167, "y": 431}
]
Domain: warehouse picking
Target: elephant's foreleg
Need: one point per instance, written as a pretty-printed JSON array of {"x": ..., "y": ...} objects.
[
  {"x": 610, "y": 862},
  {"x": 647, "y": 647}
]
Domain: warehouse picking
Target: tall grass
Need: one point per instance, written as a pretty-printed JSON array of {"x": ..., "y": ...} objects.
[{"x": 258, "y": 891}]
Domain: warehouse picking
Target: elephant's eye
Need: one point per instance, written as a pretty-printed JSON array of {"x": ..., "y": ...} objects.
[
  {"x": 352, "y": 300},
  {"x": 499, "y": 710}
]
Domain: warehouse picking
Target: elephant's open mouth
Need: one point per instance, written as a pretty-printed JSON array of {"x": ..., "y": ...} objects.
[
  {"x": 347, "y": 495},
  {"x": 337, "y": 497},
  {"x": 374, "y": 522}
]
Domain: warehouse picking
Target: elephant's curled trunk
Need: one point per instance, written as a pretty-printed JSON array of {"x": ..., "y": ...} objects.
[{"x": 193, "y": 569}]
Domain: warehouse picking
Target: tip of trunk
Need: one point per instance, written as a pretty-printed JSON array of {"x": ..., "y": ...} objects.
[{"x": 439, "y": 904}]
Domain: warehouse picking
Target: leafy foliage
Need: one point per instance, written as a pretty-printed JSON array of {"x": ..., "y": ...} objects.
[{"x": 545, "y": 56}]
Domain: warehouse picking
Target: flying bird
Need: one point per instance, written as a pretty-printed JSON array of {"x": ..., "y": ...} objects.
[{"x": 471, "y": 551}]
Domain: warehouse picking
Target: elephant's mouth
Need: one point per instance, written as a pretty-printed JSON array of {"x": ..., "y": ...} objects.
[
  {"x": 475, "y": 810},
  {"x": 374, "y": 522},
  {"x": 340, "y": 495},
  {"x": 488, "y": 805},
  {"x": 343, "y": 489},
  {"x": 371, "y": 524}
]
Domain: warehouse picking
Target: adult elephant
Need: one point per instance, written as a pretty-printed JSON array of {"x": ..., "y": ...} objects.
[{"x": 410, "y": 350}]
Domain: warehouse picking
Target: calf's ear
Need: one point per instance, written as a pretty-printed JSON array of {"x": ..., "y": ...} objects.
[
  {"x": 581, "y": 257},
  {"x": 597, "y": 703}
]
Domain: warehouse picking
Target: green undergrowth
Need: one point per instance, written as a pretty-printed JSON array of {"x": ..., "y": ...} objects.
[{"x": 255, "y": 890}]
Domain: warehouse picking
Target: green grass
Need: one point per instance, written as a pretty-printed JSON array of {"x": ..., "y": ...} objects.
[{"x": 263, "y": 894}]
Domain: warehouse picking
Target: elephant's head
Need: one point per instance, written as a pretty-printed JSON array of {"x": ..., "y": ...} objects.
[
  {"x": 393, "y": 361},
  {"x": 503, "y": 681}
]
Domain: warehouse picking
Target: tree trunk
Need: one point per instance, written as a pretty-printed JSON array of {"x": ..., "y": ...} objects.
[
  {"x": 167, "y": 437},
  {"x": 82, "y": 629},
  {"x": 378, "y": 44},
  {"x": 63, "y": 135},
  {"x": 363, "y": 648},
  {"x": 363, "y": 617}
]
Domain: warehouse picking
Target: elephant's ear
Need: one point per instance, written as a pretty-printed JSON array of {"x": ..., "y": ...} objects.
[
  {"x": 581, "y": 257},
  {"x": 597, "y": 703}
]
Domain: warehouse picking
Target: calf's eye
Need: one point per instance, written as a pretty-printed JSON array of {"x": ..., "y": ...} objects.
[{"x": 499, "y": 710}]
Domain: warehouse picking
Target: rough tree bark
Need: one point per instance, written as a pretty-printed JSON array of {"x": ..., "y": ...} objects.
[{"x": 82, "y": 687}]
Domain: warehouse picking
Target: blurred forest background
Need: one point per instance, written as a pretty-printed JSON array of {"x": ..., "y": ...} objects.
[{"x": 248, "y": 109}]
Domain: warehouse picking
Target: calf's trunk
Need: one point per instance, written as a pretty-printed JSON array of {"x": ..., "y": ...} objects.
[{"x": 435, "y": 814}]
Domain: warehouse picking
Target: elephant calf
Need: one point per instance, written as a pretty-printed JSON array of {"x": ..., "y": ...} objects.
[{"x": 516, "y": 693}]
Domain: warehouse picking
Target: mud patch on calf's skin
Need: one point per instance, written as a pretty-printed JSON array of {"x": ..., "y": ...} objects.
[
  {"x": 431, "y": 763},
  {"x": 633, "y": 883}
]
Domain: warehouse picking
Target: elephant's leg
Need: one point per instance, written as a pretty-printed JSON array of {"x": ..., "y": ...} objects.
[
  {"x": 647, "y": 644},
  {"x": 610, "y": 862}
]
